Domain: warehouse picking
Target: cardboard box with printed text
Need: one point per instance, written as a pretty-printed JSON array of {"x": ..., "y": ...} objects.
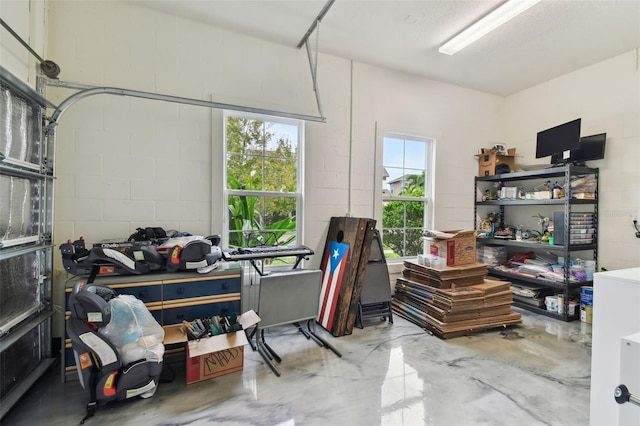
[
  {"x": 213, "y": 356},
  {"x": 450, "y": 248},
  {"x": 488, "y": 160}
]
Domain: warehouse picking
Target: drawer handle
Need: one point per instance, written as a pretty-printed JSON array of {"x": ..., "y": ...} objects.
[
  {"x": 180, "y": 290},
  {"x": 180, "y": 315},
  {"x": 142, "y": 295},
  {"x": 225, "y": 285}
]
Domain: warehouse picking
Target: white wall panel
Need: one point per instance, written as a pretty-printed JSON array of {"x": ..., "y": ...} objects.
[{"x": 607, "y": 98}]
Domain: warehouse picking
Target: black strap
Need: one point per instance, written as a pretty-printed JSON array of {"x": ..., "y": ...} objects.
[
  {"x": 94, "y": 272},
  {"x": 92, "y": 406},
  {"x": 91, "y": 410}
]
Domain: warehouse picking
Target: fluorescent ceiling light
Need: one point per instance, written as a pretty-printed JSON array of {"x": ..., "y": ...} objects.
[{"x": 498, "y": 16}]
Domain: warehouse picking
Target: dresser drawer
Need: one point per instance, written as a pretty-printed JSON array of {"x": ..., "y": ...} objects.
[
  {"x": 147, "y": 293},
  {"x": 199, "y": 311},
  {"x": 69, "y": 359},
  {"x": 199, "y": 288}
]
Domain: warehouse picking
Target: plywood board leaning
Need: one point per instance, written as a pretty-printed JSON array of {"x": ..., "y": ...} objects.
[{"x": 343, "y": 264}]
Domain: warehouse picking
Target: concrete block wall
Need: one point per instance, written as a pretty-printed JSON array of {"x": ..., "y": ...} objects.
[{"x": 127, "y": 162}]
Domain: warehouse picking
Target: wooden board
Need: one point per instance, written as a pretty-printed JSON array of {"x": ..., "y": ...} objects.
[{"x": 343, "y": 264}]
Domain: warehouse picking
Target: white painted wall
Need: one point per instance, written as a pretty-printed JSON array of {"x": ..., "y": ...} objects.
[
  {"x": 123, "y": 163},
  {"x": 28, "y": 20},
  {"x": 607, "y": 98}
]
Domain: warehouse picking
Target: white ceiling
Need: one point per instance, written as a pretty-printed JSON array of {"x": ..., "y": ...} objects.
[{"x": 550, "y": 39}]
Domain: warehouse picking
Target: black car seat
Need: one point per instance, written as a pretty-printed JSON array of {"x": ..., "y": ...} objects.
[
  {"x": 139, "y": 259},
  {"x": 201, "y": 255},
  {"x": 101, "y": 370}
]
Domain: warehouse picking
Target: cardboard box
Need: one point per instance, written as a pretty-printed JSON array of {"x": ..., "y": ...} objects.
[
  {"x": 487, "y": 161},
  {"x": 450, "y": 248},
  {"x": 216, "y": 355}
]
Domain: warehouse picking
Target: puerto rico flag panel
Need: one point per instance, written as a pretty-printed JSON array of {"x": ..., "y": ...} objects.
[{"x": 332, "y": 272}]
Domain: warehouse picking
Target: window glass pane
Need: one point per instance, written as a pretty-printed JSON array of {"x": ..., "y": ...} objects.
[
  {"x": 414, "y": 243},
  {"x": 244, "y": 172},
  {"x": 243, "y": 217},
  {"x": 402, "y": 242},
  {"x": 281, "y": 174},
  {"x": 269, "y": 220},
  {"x": 394, "y": 182},
  {"x": 414, "y": 184},
  {"x": 405, "y": 165},
  {"x": 414, "y": 214},
  {"x": 282, "y": 140},
  {"x": 415, "y": 155},
  {"x": 244, "y": 135},
  {"x": 393, "y": 152},
  {"x": 262, "y": 155},
  {"x": 393, "y": 214},
  {"x": 403, "y": 214},
  {"x": 279, "y": 212},
  {"x": 392, "y": 242}
]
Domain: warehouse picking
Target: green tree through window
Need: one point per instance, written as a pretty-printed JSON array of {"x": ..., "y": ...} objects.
[
  {"x": 407, "y": 166},
  {"x": 262, "y": 182},
  {"x": 403, "y": 221}
]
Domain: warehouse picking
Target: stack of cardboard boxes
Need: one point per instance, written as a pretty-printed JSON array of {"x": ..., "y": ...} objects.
[{"x": 447, "y": 291}]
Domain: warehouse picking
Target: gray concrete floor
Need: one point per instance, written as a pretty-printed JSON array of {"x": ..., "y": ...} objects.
[{"x": 535, "y": 373}]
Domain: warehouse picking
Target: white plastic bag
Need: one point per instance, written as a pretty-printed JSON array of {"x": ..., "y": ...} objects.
[{"x": 133, "y": 330}]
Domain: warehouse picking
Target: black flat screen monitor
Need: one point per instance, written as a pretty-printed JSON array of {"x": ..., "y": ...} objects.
[
  {"x": 558, "y": 139},
  {"x": 590, "y": 148}
]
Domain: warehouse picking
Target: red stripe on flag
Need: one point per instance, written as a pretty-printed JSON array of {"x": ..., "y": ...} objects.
[
  {"x": 334, "y": 302},
  {"x": 326, "y": 284}
]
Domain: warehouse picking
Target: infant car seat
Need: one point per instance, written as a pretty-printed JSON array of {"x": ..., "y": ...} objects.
[
  {"x": 201, "y": 255},
  {"x": 139, "y": 259},
  {"x": 101, "y": 369}
]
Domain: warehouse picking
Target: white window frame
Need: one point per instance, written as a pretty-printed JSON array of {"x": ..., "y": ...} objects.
[
  {"x": 381, "y": 198},
  {"x": 226, "y": 192}
]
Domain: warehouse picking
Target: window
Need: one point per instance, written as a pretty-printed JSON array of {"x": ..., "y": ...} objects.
[
  {"x": 407, "y": 183},
  {"x": 263, "y": 173}
]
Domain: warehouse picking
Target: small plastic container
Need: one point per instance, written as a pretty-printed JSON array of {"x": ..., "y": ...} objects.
[
  {"x": 552, "y": 303},
  {"x": 561, "y": 303},
  {"x": 572, "y": 308}
]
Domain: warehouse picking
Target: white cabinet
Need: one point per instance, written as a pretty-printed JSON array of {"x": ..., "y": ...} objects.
[{"x": 616, "y": 314}]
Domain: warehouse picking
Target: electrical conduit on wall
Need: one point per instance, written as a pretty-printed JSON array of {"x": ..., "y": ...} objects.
[{"x": 350, "y": 137}]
